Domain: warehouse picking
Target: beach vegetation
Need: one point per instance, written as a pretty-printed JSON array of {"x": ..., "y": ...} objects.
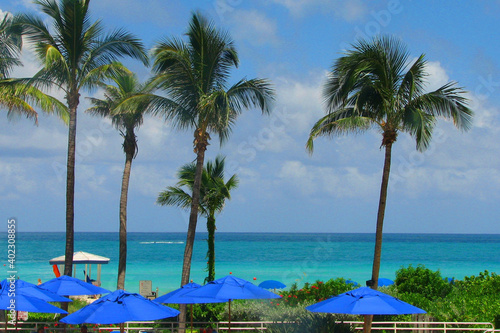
[
  {"x": 474, "y": 299},
  {"x": 315, "y": 292},
  {"x": 421, "y": 280},
  {"x": 195, "y": 76},
  {"x": 16, "y": 95},
  {"x": 375, "y": 85},
  {"x": 125, "y": 102},
  {"x": 214, "y": 191},
  {"x": 76, "y": 54}
]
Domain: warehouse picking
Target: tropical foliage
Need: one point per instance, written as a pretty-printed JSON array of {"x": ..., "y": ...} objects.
[
  {"x": 214, "y": 191},
  {"x": 473, "y": 299},
  {"x": 76, "y": 55},
  {"x": 125, "y": 103},
  {"x": 421, "y": 280},
  {"x": 374, "y": 85},
  {"x": 16, "y": 96},
  {"x": 195, "y": 76}
]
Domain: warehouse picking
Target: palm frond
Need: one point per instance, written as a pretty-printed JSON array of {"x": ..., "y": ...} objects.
[
  {"x": 17, "y": 96},
  {"x": 10, "y": 45},
  {"x": 448, "y": 102},
  {"x": 369, "y": 82},
  {"x": 174, "y": 196},
  {"x": 419, "y": 125},
  {"x": 343, "y": 121}
]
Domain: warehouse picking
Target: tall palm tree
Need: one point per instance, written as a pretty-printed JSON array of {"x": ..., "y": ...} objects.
[
  {"x": 125, "y": 103},
  {"x": 14, "y": 95},
  {"x": 213, "y": 194},
  {"x": 195, "y": 76},
  {"x": 76, "y": 55},
  {"x": 375, "y": 86}
]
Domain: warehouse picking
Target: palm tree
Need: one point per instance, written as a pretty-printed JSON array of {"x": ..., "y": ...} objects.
[
  {"x": 14, "y": 95},
  {"x": 125, "y": 103},
  {"x": 213, "y": 194},
  {"x": 76, "y": 55},
  {"x": 10, "y": 46},
  {"x": 374, "y": 85},
  {"x": 195, "y": 76}
]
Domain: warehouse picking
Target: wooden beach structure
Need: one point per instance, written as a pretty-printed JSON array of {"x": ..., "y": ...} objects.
[{"x": 87, "y": 259}]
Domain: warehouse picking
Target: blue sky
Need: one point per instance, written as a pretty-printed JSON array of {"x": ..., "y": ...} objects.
[{"x": 451, "y": 188}]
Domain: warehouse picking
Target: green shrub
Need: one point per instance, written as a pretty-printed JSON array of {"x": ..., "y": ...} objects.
[
  {"x": 315, "y": 292},
  {"x": 423, "y": 281}
]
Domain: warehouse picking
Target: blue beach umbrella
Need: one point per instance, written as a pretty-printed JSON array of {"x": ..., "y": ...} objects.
[
  {"x": 272, "y": 284},
  {"x": 67, "y": 286},
  {"x": 178, "y": 296},
  {"x": 383, "y": 282},
  {"x": 12, "y": 299},
  {"x": 354, "y": 283},
  {"x": 364, "y": 301},
  {"x": 27, "y": 303},
  {"x": 118, "y": 307},
  {"x": 29, "y": 289},
  {"x": 229, "y": 288}
]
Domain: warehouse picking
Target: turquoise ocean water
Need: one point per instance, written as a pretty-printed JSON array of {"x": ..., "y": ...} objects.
[{"x": 285, "y": 257}]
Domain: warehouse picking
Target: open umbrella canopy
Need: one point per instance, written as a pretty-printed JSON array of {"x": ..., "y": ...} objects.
[
  {"x": 67, "y": 286},
  {"x": 272, "y": 284},
  {"x": 231, "y": 287},
  {"x": 27, "y": 303},
  {"x": 178, "y": 296},
  {"x": 29, "y": 289},
  {"x": 354, "y": 283},
  {"x": 383, "y": 282},
  {"x": 119, "y": 307},
  {"x": 11, "y": 299},
  {"x": 364, "y": 301}
]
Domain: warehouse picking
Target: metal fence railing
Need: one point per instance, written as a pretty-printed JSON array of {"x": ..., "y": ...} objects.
[
  {"x": 242, "y": 326},
  {"x": 426, "y": 327}
]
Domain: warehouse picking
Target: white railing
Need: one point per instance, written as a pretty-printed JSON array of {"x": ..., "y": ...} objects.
[
  {"x": 421, "y": 326},
  {"x": 389, "y": 326}
]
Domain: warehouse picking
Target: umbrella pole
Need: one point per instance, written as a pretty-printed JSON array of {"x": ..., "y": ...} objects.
[
  {"x": 191, "y": 318},
  {"x": 229, "y": 315},
  {"x": 367, "y": 323},
  {"x": 6, "y": 320},
  {"x": 122, "y": 327}
]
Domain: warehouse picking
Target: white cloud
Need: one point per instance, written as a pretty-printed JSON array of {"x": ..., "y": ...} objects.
[
  {"x": 36, "y": 137},
  {"x": 349, "y": 10},
  {"x": 155, "y": 132},
  {"x": 253, "y": 26},
  {"x": 286, "y": 129},
  {"x": 301, "y": 101},
  {"x": 437, "y": 75},
  {"x": 17, "y": 178},
  {"x": 30, "y": 65},
  {"x": 150, "y": 180},
  {"x": 158, "y": 12},
  {"x": 90, "y": 182},
  {"x": 343, "y": 182}
]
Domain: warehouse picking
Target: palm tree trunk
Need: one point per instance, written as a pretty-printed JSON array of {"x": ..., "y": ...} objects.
[
  {"x": 122, "y": 260},
  {"x": 380, "y": 223},
  {"x": 201, "y": 143},
  {"x": 211, "y": 247},
  {"x": 70, "y": 187},
  {"x": 193, "y": 219}
]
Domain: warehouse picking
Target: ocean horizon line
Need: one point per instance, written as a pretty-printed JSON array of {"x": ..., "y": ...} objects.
[{"x": 263, "y": 232}]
